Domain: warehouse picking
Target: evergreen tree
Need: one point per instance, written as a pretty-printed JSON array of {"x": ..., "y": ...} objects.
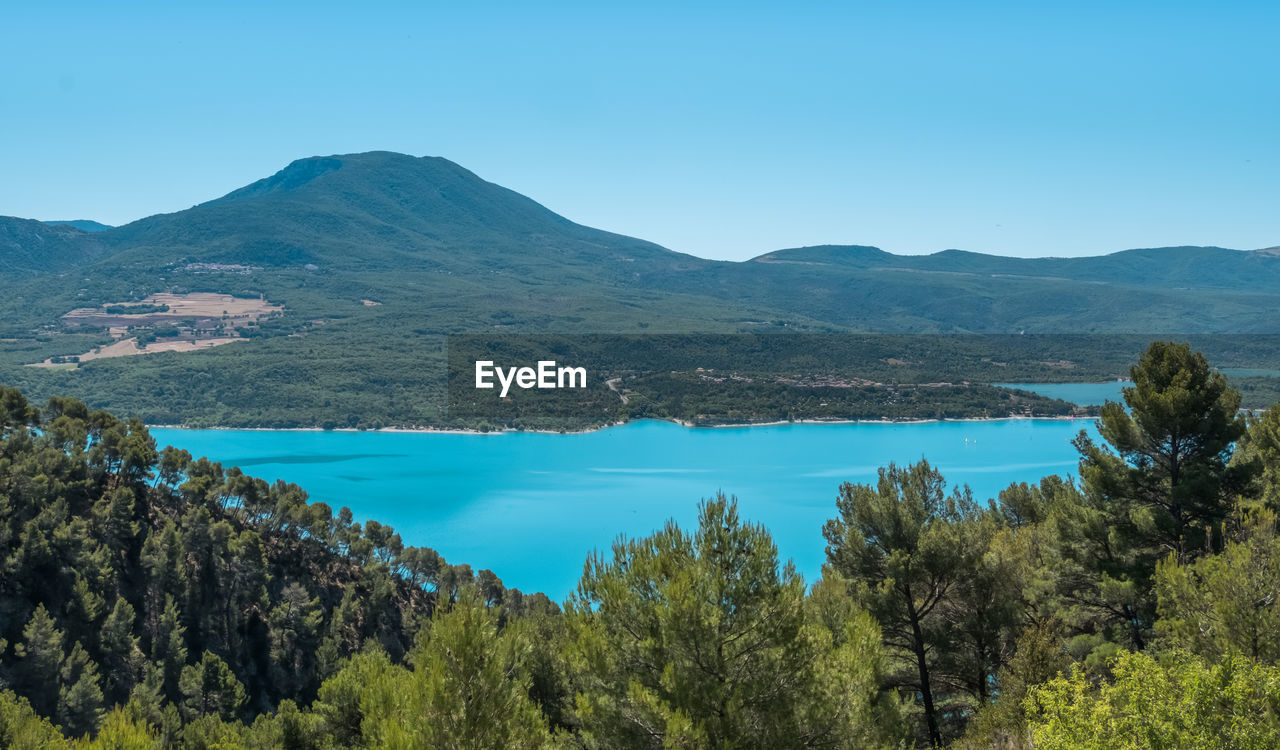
[
  {"x": 295, "y": 624},
  {"x": 905, "y": 548},
  {"x": 40, "y": 656},
  {"x": 21, "y": 726},
  {"x": 118, "y": 646},
  {"x": 1228, "y": 603},
  {"x": 120, "y": 731},
  {"x": 705, "y": 640},
  {"x": 983, "y": 614},
  {"x": 468, "y": 688},
  {"x": 1163, "y": 483},
  {"x": 80, "y": 696},
  {"x": 340, "y": 702},
  {"x": 1260, "y": 447},
  {"x": 210, "y": 688},
  {"x": 1168, "y": 470},
  {"x": 169, "y": 650}
]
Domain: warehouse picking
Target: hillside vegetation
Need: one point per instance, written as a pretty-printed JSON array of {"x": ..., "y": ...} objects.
[
  {"x": 441, "y": 251},
  {"x": 154, "y": 600}
]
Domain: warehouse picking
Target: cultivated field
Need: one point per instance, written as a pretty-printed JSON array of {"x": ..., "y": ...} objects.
[
  {"x": 193, "y": 306},
  {"x": 165, "y": 323}
]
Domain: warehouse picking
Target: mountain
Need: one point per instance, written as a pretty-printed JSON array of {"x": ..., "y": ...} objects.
[
  {"x": 400, "y": 227},
  {"x": 378, "y": 211},
  {"x": 31, "y": 247},
  {"x": 87, "y": 225},
  {"x": 1174, "y": 289},
  {"x": 374, "y": 257},
  {"x": 1169, "y": 267}
]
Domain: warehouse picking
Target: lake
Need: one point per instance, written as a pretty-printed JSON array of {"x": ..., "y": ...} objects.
[
  {"x": 531, "y": 506},
  {"x": 1096, "y": 394},
  {"x": 1083, "y": 394}
]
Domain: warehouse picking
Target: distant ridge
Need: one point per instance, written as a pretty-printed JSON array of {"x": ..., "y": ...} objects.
[
  {"x": 29, "y": 247},
  {"x": 87, "y": 225}
]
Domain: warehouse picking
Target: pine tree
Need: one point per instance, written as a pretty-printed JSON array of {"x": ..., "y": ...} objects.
[
  {"x": 1163, "y": 484},
  {"x": 80, "y": 697},
  {"x": 168, "y": 649},
  {"x": 21, "y": 726},
  {"x": 121, "y": 731},
  {"x": 210, "y": 688},
  {"x": 1227, "y": 603},
  {"x": 340, "y": 701},
  {"x": 903, "y": 546},
  {"x": 118, "y": 646},
  {"x": 1261, "y": 447},
  {"x": 468, "y": 688},
  {"x": 295, "y": 623},
  {"x": 1168, "y": 468},
  {"x": 40, "y": 656},
  {"x": 705, "y": 640}
]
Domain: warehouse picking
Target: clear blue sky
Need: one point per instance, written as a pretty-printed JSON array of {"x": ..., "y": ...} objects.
[{"x": 720, "y": 129}]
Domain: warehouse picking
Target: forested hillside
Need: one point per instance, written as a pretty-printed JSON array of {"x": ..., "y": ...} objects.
[
  {"x": 149, "y": 599},
  {"x": 374, "y": 258}
]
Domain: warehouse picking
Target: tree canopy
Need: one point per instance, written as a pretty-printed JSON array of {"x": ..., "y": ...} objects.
[{"x": 150, "y": 599}]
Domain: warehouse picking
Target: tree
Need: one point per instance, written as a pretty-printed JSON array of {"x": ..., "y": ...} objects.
[
  {"x": 40, "y": 657},
  {"x": 983, "y": 614},
  {"x": 168, "y": 648},
  {"x": 289, "y": 729},
  {"x": 22, "y": 726},
  {"x": 119, "y": 650},
  {"x": 903, "y": 546},
  {"x": 1181, "y": 702},
  {"x": 339, "y": 703},
  {"x": 80, "y": 699},
  {"x": 210, "y": 688},
  {"x": 1040, "y": 656},
  {"x": 468, "y": 688},
  {"x": 706, "y": 641},
  {"x": 1227, "y": 603},
  {"x": 119, "y": 731},
  {"x": 1163, "y": 484},
  {"x": 1261, "y": 446},
  {"x": 1170, "y": 474},
  {"x": 16, "y": 415},
  {"x": 295, "y": 624},
  {"x": 490, "y": 586}
]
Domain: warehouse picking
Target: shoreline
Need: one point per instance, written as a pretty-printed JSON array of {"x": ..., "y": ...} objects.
[{"x": 682, "y": 423}]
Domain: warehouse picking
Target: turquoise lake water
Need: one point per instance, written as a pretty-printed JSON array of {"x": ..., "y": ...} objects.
[
  {"x": 1096, "y": 394},
  {"x": 1250, "y": 372},
  {"x": 531, "y": 506},
  {"x": 1084, "y": 394}
]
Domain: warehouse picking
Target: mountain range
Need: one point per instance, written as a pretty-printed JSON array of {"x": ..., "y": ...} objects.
[
  {"x": 374, "y": 255},
  {"x": 354, "y": 217}
]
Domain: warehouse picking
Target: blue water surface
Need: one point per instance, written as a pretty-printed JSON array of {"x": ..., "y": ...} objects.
[
  {"x": 1083, "y": 394},
  {"x": 531, "y": 506}
]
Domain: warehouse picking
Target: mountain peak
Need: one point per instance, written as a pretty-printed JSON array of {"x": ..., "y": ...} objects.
[
  {"x": 374, "y": 209},
  {"x": 818, "y": 254},
  {"x": 316, "y": 170},
  {"x": 292, "y": 177}
]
